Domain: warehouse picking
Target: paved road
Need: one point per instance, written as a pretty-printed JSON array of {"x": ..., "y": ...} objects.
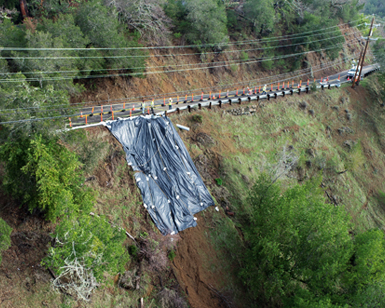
[{"x": 97, "y": 114}]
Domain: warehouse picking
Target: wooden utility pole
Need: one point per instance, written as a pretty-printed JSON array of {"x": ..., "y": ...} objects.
[
  {"x": 357, "y": 68},
  {"x": 363, "y": 56}
]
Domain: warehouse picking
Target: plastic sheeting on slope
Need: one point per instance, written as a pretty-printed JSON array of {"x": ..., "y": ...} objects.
[{"x": 171, "y": 187}]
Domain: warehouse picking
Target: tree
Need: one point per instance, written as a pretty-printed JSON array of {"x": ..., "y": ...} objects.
[
  {"x": 375, "y": 7},
  {"x": 36, "y": 68},
  {"x": 46, "y": 175},
  {"x": 207, "y": 20},
  {"x": 102, "y": 26},
  {"x": 300, "y": 253},
  {"x": 71, "y": 36},
  {"x": 5, "y": 239},
  {"x": 298, "y": 245},
  {"x": 85, "y": 248},
  {"x": 27, "y": 102},
  {"x": 379, "y": 50},
  {"x": 367, "y": 278},
  {"x": 145, "y": 16},
  {"x": 261, "y": 14},
  {"x": 312, "y": 22}
]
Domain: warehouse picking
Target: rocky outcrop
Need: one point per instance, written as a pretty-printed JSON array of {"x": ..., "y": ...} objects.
[{"x": 250, "y": 110}]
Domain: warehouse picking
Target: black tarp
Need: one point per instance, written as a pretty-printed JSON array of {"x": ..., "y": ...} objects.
[{"x": 171, "y": 187}]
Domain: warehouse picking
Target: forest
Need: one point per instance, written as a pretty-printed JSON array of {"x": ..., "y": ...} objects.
[{"x": 304, "y": 255}]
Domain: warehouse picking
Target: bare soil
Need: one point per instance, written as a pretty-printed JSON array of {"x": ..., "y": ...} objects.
[{"x": 197, "y": 265}]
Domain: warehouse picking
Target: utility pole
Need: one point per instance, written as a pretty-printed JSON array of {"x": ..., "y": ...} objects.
[
  {"x": 358, "y": 65},
  {"x": 363, "y": 56}
]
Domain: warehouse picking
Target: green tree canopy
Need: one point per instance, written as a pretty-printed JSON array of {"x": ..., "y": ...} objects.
[
  {"x": 261, "y": 14},
  {"x": 46, "y": 175},
  {"x": 375, "y": 7},
  {"x": 102, "y": 26},
  {"x": 201, "y": 21},
  {"x": 301, "y": 253},
  {"x": 297, "y": 239}
]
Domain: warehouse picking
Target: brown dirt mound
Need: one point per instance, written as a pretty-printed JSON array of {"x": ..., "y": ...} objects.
[{"x": 193, "y": 256}]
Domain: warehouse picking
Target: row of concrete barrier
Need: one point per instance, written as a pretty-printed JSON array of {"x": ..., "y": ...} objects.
[{"x": 247, "y": 98}]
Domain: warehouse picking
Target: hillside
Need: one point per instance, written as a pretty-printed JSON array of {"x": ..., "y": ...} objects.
[
  {"x": 336, "y": 133},
  {"x": 297, "y": 181},
  {"x": 230, "y": 74}
]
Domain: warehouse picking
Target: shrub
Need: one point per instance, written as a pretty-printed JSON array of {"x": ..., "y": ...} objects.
[
  {"x": 154, "y": 248},
  {"x": 244, "y": 56},
  {"x": 133, "y": 251},
  {"x": 219, "y": 181},
  {"x": 197, "y": 118},
  {"x": 153, "y": 253},
  {"x": 171, "y": 255},
  {"x": 92, "y": 242},
  {"x": 170, "y": 299},
  {"x": 5, "y": 236}
]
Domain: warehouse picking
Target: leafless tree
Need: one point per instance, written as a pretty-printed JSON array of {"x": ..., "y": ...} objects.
[
  {"x": 286, "y": 160},
  {"x": 170, "y": 299},
  {"x": 6, "y": 13},
  {"x": 300, "y": 7},
  {"x": 154, "y": 248},
  {"x": 145, "y": 16},
  {"x": 75, "y": 279}
]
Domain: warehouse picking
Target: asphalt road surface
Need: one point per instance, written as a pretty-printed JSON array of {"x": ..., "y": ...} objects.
[{"x": 97, "y": 114}]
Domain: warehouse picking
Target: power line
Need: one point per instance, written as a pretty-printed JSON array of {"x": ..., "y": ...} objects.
[
  {"x": 167, "y": 55},
  {"x": 137, "y": 97},
  {"x": 48, "y": 118},
  {"x": 184, "y": 46},
  {"x": 77, "y": 115},
  {"x": 177, "y": 65},
  {"x": 167, "y": 71},
  {"x": 334, "y": 63}
]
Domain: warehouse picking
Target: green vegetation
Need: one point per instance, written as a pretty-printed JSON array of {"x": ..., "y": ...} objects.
[
  {"x": 304, "y": 243},
  {"x": 295, "y": 249},
  {"x": 375, "y": 7},
  {"x": 197, "y": 118},
  {"x": 133, "y": 251},
  {"x": 379, "y": 49},
  {"x": 219, "y": 181},
  {"x": 47, "y": 176},
  {"x": 5, "y": 237},
  {"x": 89, "y": 26},
  {"x": 306, "y": 256},
  {"x": 92, "y": 242},
  {"x": 171, "y": 255}
]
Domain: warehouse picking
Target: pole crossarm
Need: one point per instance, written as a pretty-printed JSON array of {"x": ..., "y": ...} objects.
[{"x": 361, "y": 62}]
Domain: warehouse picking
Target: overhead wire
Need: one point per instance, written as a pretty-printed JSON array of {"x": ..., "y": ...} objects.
[
  {"x": 75, "y": 105},
  {"x": 168, "y": 55},
  {"x": 127, "y": 99},
  {"x": 183, "y": 46},
  {"x": 78, "y": 115},
  {"x": 167, "y": 71},
  {"x": 177, "y": 65}
]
